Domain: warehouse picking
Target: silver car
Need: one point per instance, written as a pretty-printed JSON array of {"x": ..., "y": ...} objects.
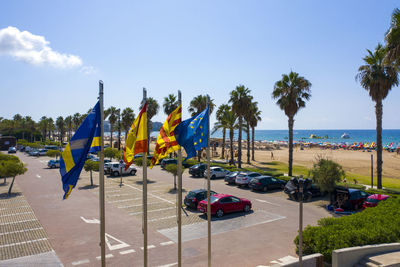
[{"x": 244, "y": 178}]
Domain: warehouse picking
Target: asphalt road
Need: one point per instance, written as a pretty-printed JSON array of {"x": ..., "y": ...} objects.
[{"x": 240, "y": 239}]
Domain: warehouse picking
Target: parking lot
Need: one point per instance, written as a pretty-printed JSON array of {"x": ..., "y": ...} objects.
[{"x": 272, "y": 222}]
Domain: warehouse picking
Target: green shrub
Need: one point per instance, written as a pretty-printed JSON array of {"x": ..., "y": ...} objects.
[
  {"x": 326, "y": 173},
  {"x": 139, "y": 162},
  {"x": 372, "y": 226},
  {"x": 53, "y": 153}
]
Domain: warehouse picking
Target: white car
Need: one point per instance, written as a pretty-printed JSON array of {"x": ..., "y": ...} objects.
[
  {"x": 244, "y": 178},
  {"x": 115, "y": 169},
  {"x": 216, "y": 172}
]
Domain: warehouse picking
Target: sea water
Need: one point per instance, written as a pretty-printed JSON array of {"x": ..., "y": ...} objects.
[{"x": 331, "y": 136}]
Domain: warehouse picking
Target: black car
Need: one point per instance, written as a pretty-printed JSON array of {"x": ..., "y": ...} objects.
[
  {"x": 309, "y": 190},
  {"x": 266, "y": 183},
  {"x": 231, "y": 178},
  {"x": 194, "y": 197},
  {"x": 166, "y": 162},
  {"x": 198, "y": 170}
]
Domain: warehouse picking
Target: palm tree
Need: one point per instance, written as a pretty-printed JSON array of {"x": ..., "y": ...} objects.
[
  {"x": 43, "y": 126},
  {"x": 378, "y": 77},
  {"x": 170, "y": 104},
  {"x": 230, "y": 124},
  {"x": 198, "y": 104},
  {"x": 392, "y": 39},
  {"x": 240, "y": 100},
  {"x": 291, "y": 92},
  {"x": 69, "y": 124},
  {"x": 220, "y": 115},
  {"x": 51, "y": 128},
  {"x": 248, "y": 117},
  {"x": 127, "y": 118},
  {"x": 31, "y": 126},
  {"x": 112, "y": 114},
  {"x": 60, "y": 123},
  {"x": 76, "y": 120},
  {"x": 254, "y": 119}
]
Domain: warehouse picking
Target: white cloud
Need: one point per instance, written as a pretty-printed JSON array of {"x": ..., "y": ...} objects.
[
  {"x": 88, "y": 70},
  {"x": 33, "y": 49}
]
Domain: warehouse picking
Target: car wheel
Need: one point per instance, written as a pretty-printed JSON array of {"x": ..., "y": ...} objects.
[
  {"x": 220, "y": 213},
  {"x": 246, "y": 208},
  {"x": 265, "y": 188},
  {"x": 133, "y": 172},
  {"x": 213, "y": 177},
  {"x": 115, "y": 173}
]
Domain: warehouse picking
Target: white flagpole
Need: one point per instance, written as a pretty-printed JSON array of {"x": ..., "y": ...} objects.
[
  {"x": 101, "y": 179},
  {"x": 179, "y": 203},
  {"x": 144, "y": 165},
  {"x": 208, "y": 186}
]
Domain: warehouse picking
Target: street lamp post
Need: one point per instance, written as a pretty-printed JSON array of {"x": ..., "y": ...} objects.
[{"x": 301, "y": 186}]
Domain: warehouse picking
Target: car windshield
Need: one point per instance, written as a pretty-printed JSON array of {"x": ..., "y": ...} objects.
[
  {"x": 191, "y": 194},
  {"x": 372, "y": 200}
]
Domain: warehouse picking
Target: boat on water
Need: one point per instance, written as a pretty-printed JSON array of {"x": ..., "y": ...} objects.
[{"x": 345, "y": 136}]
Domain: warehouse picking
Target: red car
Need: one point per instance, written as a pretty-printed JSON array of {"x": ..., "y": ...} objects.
[
  {"x": 223, "y": 203},
  {"x": 373, "y": 200}
]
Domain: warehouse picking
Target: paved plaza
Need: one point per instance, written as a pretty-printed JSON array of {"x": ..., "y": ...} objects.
[{"x": 37, "y": 223}]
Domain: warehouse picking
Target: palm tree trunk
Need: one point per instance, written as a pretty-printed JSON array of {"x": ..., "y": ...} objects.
[
  {"x": 379, "y": 113},
  {"x": 248, "y": 142},
  {"x": 91, "y": 178},
  {"x": 232, "y": 161},
  {"x": 111, "y": 139},
  {"x": 252, "y": 144},
  {"x": 240, "y": 143},
  {"x": 291, "y": 122},
  {"x": 223, "y": 143}
]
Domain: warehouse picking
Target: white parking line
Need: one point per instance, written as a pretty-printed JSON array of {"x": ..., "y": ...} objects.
[
  {"x": 124, "y": 200},
  {"x": 80, "y": 262},
  {"x": 168, "y": 265},
  {"x": 167, "y": 243},
  {"x": 148, "y": 247},
  {"x": 107, "y": 256},
  {"x": 14, "y": 214},
  {"x": 139, "y": 205},
  {"x": 264, "y": 201},
  {"x": 166, "y": 200},
  {"x": 8, "y": 223},
  {"x": 163, "y": 218},
  {"x": 118, "y": 195},
  {"x": 22, "y": 243},
  {"x": 21, "y": 231},
  {"x": 127, "y": 251},
  {"x": 140, "y": 212},
  {"x": 14, "y": 207},
  {"x": 38, "y": 176}
]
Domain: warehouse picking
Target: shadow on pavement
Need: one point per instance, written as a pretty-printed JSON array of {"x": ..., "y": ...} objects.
[
  {"x": 5, "y": 195},
  {"x": 173, "y": 191},
  {"x": 227, "y": 216},
  {"x": 88, "y": 187},
  {"x": 148, "y": 181}
]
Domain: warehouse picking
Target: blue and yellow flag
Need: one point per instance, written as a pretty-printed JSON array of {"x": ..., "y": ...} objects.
[
  {"x": 96, "y": 145},
  {"x": 74, "y": 155},
  {"x": 192, "y": 134}
]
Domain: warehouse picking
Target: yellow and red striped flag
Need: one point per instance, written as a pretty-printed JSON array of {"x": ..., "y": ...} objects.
[
  {"x": 166, "y": 141},
  {"x": 136, "y": 140}
]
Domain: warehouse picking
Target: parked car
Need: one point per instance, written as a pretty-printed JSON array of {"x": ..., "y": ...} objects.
[
  {"x": 53, "y": 163},
  {"x": 231, "y": 178},
  {"x": 373, "y": 200},
  {"x": 223, "y": 203},
  {"x": 193, "y": 198},
  {"x": 165, "y": 162},
  {"x": 349, "y": 198},
  {"x": 12, "y": 149},
  {"x": 39, "y": 152},
  {"x": 244, "y": 179},
  {"x": 149, "y": 157},
  {"x": 216, "y": 172},
  {"x": 266, "y": 183},
  {"x": 310, "y": 190},
  {"x": 198, "y": 170},
  {"x": 115, "y": 169},
  {"x": 107, "y": 166}
]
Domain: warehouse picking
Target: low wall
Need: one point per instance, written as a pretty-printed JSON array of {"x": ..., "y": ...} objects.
[
  {"x": 313, "y": 260},
  {"x": 347, "y": 257}
]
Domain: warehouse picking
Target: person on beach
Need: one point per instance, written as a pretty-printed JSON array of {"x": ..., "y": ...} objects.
[{"x": 272, "y": 155}]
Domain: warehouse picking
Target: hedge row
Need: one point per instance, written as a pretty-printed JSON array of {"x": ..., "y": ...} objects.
[{"x": 372, "y": 226}]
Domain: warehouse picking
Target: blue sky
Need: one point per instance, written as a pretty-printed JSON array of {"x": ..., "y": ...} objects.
[{"x": 198, "y": 47}]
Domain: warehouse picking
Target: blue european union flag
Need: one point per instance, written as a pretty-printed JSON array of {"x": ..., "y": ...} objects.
[
  {"x": 192, "y": 134},
  {"x": 74, "y": 155}
]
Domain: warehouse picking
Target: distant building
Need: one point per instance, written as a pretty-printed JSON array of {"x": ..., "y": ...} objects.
[{"x": 7, "y": 141}]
